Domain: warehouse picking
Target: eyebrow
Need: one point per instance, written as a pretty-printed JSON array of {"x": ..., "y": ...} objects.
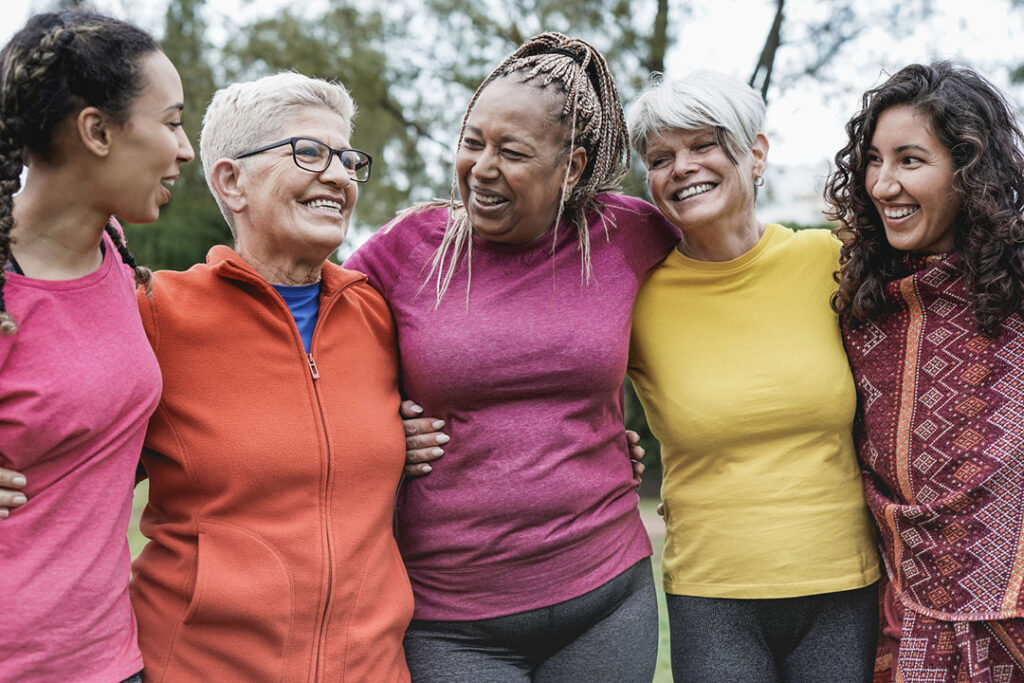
[
  {"x": 180, "y": 106},
  {"x": 503, "y": 138},
  {"x": 903, "y": 148}
]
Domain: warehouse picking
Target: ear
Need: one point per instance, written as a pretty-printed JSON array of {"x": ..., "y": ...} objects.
[
  {"x": 226, "y": 182},
  {"x": 95, "y": 130},
  {"x": 577, "y": 163},
  {"x": 760, "y": 152}
]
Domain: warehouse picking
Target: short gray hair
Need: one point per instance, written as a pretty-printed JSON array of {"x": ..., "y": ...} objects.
[
  {"x": 701, "y": 99},
  {"x": 243, "y": 116}
]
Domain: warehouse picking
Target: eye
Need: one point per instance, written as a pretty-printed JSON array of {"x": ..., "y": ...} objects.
[
  {"x": 472, "y": 143},
  {"x": 308, "y": 150},
  {"x": 174, "y": 124},
  {"x": 874, "y": 159},
  {"x": 705, "y": 146},
  {"x": 657, "y": 162},
  {"x": 912, "y": 161},
  {"x": 512, "y": 154}
]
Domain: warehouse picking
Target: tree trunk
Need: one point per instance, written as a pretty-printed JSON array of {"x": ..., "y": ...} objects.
[{"x": 762, "y": 76}]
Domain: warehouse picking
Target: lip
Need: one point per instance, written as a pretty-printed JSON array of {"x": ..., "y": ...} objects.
[
  {"x": 897, "y": 220},
  {"x": 338, "y": 213},
  {"x": 487, "y": 209},
  {"x": 676, "y": 191}
]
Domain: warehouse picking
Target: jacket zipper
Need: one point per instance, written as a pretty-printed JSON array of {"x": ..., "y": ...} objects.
[{"x": 314, "y": 371}]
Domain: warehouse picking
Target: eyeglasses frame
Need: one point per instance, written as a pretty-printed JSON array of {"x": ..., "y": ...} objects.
[{"x": 334, "y": 152}]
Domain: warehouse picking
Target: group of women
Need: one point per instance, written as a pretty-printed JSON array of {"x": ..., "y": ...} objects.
[{"x": 263, "y": 388}]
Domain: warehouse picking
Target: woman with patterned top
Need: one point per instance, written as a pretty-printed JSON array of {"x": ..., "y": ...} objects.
[{"x": 930, "y": 192}]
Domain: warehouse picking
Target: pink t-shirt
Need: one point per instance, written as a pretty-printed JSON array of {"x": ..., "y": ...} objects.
[
  {"x": 78, "y": 383},
  {"x": 533, "y": 502}
]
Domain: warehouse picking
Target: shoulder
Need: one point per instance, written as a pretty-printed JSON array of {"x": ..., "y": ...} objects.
[
  {"x": 626, "y": 206},
  {"x": 383, "y": 257},
  {"x": 817, "y": 242}
]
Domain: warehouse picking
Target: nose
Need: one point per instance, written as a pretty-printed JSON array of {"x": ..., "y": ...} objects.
[
  {"x": 683, "y": 164},
  {"x": 185, "y": 151},
  {"x": 485, "y": 165},
  {"x": 336, "y": 173},
  {"x": 885, "y": 184}
]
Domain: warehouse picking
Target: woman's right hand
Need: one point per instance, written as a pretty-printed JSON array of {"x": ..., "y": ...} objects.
[
  {"x": 423, "y": 439},
  {"x": 11, "y": 483}
]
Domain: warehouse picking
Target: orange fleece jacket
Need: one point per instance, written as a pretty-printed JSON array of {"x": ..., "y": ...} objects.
[{"x": 272, "y": 482}]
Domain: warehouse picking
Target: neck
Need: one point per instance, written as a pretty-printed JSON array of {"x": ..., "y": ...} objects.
[
  {"x": 716, "y": 242},
  {"x": 55, "y": 239},
  {"x": 282, "y": 271}
]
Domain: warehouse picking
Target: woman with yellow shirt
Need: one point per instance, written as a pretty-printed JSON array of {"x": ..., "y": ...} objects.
[{"x": 737, "y": 357}]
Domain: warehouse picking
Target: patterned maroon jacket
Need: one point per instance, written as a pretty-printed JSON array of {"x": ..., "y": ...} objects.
[{"x": 941, "y": 439}]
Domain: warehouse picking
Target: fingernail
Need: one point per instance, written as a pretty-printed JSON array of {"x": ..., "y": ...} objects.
[
  {"x": 4, "y": 513},
  {"x": 426, "y": 469},
  {"x": 19, "y": 499},
  {"x": 437, "y": 424},
  {"x": 416, "y": 408},
  {"x": 18, "y": 480},
  {"x": 436, "y": 451},
  {"x": 443, "y": 438}
]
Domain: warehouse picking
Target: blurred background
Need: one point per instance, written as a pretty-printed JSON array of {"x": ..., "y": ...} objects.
[{"x": 412, "y": 66}]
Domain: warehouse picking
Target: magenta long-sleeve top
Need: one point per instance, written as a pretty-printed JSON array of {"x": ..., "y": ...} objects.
[{"x": 533, "y": 502}]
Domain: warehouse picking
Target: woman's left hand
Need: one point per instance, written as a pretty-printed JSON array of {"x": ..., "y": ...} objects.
[
  {"x": 423, "y": 439},
  {"x": 11, "y": 483},
  {"x": 636, "y": 454}
]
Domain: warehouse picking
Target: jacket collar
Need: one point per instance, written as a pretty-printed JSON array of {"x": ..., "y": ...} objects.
[{"x": 225, "y": 262}]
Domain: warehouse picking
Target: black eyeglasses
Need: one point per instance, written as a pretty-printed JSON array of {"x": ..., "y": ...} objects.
[{"x": 315, "y": 156}]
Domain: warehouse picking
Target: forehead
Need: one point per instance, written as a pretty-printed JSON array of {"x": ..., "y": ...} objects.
[
  {"x": 506, "y": 103},
  {"x": 903, "y": 124},
  {"x": 317, "y": 122},
  {"x": 671, "y": 138},
  {"x": 162, "y": 85}
]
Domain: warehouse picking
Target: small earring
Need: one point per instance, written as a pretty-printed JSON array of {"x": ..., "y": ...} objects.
[{"x": 759, "y": 181}]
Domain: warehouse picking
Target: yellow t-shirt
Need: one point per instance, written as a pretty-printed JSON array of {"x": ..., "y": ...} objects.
[{"x": 741, "y": 369}]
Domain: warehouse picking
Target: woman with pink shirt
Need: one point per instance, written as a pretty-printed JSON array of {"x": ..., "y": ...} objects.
[{"x": 93, "y": 108}]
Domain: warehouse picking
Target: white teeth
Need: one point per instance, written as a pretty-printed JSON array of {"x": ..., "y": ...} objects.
[
  {"x": 323, "y": 204},
  {"x": 488, "y": 199},
  {"x": 168, "y": 182},
  {"x": 693, "y": 190},
  {"x": 900, "y": 212}
]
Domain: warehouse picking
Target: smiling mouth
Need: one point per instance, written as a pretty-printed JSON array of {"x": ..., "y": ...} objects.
[
  {"x": 693, "y": 191},
  {"x": 324, "y": 204},
  {"x": 895, "y": 213},
  {"x": 487, "y": 200}
]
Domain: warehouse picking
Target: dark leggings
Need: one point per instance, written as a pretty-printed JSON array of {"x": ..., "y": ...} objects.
[
  {"x": 609, "y": 634},
  {"x": 810, "y": 639}
]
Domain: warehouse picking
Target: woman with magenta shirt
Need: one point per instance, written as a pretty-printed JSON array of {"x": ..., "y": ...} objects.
[{"x": 526, "y": 552}]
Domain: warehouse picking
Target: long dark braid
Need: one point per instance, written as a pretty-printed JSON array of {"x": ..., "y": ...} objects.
[
  {"x": 53, "y": 67},
  {"x": 594, "y": 116}
]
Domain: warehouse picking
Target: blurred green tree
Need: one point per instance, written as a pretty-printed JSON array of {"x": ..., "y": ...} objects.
[{"x": 191, "y": 223}]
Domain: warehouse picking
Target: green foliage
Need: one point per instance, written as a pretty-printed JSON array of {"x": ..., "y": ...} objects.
[{"x": 191, "y": 223}]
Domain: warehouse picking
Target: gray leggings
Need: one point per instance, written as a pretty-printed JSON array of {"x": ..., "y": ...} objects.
[
  {"x": 809, "y": 639},
  {"x": 609, "y": 634}
]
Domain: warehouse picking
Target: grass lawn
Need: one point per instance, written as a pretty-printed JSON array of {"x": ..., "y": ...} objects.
[{"x": 655, "y": 527}]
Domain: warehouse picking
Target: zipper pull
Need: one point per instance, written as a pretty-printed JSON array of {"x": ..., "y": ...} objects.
[{"x": 312, "y": 366}]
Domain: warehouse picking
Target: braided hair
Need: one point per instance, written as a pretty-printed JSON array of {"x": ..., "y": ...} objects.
[
  {"x": 592, "y": 112},
  {"x": 976, "y": 124},
  {"x": 56, "y": 65}
]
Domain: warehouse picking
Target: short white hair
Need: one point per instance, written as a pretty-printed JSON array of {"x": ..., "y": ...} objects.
[
  {"x": 247, "y": 115},
  {"x": 701, "y": 99}
]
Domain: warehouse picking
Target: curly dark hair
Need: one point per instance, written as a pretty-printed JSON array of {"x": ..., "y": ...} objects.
[
  {"x": 56, "y": 65},
  {"x": 975, "y": 123}
]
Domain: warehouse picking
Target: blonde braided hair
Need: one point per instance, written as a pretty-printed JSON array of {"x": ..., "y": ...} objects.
[{"x": 593, "y": 112}]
